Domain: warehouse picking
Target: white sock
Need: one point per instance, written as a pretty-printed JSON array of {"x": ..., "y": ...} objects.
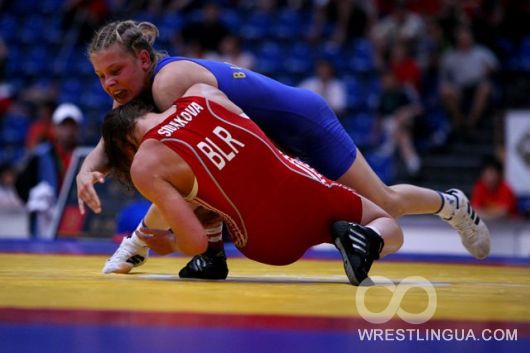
[
  {"x": 215, "y": 233},
  {"x": 447, "y": 208},
  {"x": 134, "y": 238}
]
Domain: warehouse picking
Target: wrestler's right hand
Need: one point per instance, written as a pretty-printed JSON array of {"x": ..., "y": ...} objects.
[{"x": 86, "y": 193}]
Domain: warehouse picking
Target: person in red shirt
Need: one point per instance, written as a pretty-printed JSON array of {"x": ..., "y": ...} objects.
[
  {"x": 204, "y": 152},
  {"x": 492, "y": 197}
]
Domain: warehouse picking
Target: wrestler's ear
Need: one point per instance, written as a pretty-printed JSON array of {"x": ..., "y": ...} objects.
[{"x": 145, "y": 59}]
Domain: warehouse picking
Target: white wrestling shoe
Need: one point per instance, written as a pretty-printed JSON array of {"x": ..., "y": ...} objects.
[
  {"x": 472, "y": 230},
  {"x": 129, "y": 254}
]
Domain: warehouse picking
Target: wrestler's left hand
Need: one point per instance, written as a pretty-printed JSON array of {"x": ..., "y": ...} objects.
[{"x": 159, "y": 240}]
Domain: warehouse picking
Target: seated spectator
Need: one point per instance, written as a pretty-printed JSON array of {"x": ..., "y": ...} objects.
[
  {"x": 208, "y": 32},
  {"x": 398, "y": 107},
  {"x": 4, "y": 54},
  {"x": 349, "y": 19},
  {"x": 400, "y": 25},
  {"x": 230, "y": 51},
  {"x": 327, "y": 85},
  {"x": 404, "y": 66},
  {"x": 41, "y": 129},
  {"x": 465, "y": 77},
  {"x": 84, "y": 16},
  {"x": 492, "y": 197},
  {"x": 42, "y": 174},
  {"x": 9, "y": 200}
]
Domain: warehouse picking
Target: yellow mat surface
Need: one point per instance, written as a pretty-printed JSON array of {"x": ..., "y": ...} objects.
[{"x": 308, "y": 287}]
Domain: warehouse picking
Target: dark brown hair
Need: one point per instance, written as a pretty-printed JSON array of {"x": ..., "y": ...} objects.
[{"x": 117, "y": 131}]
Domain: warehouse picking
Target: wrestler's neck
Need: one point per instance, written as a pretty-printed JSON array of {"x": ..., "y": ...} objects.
[{"x": 149, "y": 121}]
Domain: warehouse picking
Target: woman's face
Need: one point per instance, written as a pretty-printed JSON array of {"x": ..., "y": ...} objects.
[{"x": 122, "y": 75}]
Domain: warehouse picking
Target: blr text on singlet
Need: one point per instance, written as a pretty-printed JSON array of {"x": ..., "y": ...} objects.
[{"x": 274, "y": 206}]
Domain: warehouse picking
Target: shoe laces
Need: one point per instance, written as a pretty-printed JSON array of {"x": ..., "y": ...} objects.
[
  {"x": 465, "y": 224},
  {"x": 124, "y": 252}
]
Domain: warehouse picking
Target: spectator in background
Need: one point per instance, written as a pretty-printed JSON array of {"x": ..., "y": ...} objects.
[
  {"x": 41, "y": 129},
  {"x": 208, "y": 32},
  {"x": 348, "y": 18},
  {"x": 404, "y": 66},
  {"x": 451, "y": 16},
  {"x": 4, "y": 53},
  {"x": 9, "y": 200},
  {"x": 43, "y": 172},
  {"x": 230, "y": 51},
  {"x": 492, "y": 197},
  {"x": 85, "y": 16},
  {"x": 400, "y": 25},
  {"x": 398, "y": 108},
  {"x": 327, "y": 85},
  {"x": 466, "y": 77},
  {"x": 5, "y": 88}
]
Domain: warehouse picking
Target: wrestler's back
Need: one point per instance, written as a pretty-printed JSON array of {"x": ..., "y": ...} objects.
[{"x": 275, "y": 208}]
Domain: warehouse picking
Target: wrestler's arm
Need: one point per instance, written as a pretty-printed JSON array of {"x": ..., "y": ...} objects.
[
  {"x": 155, "y": 174},
  {"x": 93, "y": 170},
  {"x": 213, "y": 94},
  {"x": 175, "y": 79}
]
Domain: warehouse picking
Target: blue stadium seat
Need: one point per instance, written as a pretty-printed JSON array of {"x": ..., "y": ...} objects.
[
  {"x": 336, "y": 56},
  {"x": 52, "y": 31},
  {"x": 14, "y": 128},
  {"x": 70, "y": 91},
  {"x": 36, "y": 62},
  {"x": 11, "y": 154},
  {"x": 25, "y": 7},
  {"x": 232, "y": 19},
  {"x": 269, "y": 58},
  {"x": 169, "y": 24},
  {"x": 94, "y": 97},
  {"x": 383, "y": 166},
  {"x": 287, "y": 26},
  {"x": 50, "y": 7},
  {"x": 32, "y": 30},
  {"x": 362, "y": 57},
  {"x": 256, "y": 27},
  {"x": 354, "y": 93},
  {"x": 299, "y": 59},
  {"x": 523, "y": 205},
  {"x": 359, "y": 126},
  {"x": 524, "y": 54},
  {"x": 9, "y": 28},
  {"x": 15, "y": 62}
]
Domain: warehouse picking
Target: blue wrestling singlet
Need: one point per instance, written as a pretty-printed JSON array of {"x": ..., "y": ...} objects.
[{"x": 297, "y": 119}]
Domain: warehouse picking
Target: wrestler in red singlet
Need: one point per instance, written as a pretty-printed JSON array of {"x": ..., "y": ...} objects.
[{"x": 275, "y": 207}]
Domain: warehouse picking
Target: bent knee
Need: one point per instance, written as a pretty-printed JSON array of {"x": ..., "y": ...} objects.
[{"x": 390, "y": 202}]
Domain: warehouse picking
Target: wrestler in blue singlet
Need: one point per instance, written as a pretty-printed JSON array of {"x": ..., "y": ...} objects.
[{"x": 296, "y": 118}]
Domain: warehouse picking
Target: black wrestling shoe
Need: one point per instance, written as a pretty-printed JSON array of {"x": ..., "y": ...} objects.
[
  {"x": 359, "y": 247},
  {"x": 210, "y": 265}
]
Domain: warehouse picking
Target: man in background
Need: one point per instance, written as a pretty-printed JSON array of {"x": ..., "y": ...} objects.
[{"x": 42, "y": 174}]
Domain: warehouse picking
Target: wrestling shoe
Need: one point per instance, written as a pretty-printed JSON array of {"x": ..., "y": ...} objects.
[
  {"x": 359, "y": 247},
  {"x": 128, "y": 255},
  {"x": 210, "y": 265},
  {"x": 472, "y": 230}
]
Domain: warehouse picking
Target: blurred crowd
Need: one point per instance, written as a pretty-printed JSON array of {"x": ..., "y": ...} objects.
[{"x": 405, "y": 77}]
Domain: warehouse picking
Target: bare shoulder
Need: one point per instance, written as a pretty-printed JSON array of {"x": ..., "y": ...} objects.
[
  {"x": 155, "y": 161},
  {"x": 175, "y": 79},
  {"x": 146, "y": 163}
]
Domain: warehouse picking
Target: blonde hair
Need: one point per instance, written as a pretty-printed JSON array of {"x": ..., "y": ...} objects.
[{"x": 131, "y": 35}]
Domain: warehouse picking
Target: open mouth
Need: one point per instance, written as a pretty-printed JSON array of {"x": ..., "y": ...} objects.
[{"x": 119, "y": 94}]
